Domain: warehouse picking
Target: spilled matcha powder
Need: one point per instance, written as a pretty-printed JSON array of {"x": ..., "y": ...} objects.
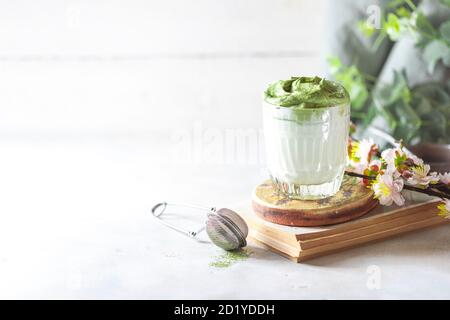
[
  {"x": 306, "y": 93},
  {"x": 229, "y": 258}
]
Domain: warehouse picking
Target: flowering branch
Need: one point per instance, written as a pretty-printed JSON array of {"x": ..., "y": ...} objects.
[
  {"x": 428, "y": 191},
  {"x": 389, "y": 172}
]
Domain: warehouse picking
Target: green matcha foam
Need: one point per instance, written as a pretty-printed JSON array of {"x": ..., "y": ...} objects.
[{"x": 306, "y": 92}]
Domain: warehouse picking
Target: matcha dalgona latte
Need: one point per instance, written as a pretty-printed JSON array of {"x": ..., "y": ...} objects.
[{"x": 306, "y": 124}]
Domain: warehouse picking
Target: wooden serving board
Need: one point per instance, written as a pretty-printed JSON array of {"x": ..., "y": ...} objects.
[{"x": 352, "y": 201}]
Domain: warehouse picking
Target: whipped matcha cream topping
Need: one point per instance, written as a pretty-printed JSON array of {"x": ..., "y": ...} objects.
[{"x": 306, "y": 92}]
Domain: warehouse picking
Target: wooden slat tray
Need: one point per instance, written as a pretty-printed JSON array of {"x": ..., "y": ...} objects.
[{"x": 304, "y": 243}]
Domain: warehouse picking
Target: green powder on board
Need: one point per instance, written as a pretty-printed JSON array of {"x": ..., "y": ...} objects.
[{"x": 229, "y": 258}]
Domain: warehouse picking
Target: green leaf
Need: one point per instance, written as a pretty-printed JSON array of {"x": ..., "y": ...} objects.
[
  {"x": 393, "y": 103},
  {"x": 423, "y": 106},
  {"x": 390, "y": 119},
  {"x": 335, "y": 64},
  {"x": 392, "y": 27},
  {"x": 433, "y": 52},
  {"x": 408, "y": 123},
  {"x": 422, "y": 42},
  {"x": 389, "y": 94},
  {"x": 352, "y": 79},
  {"x": 435, "y": 123},
  {"x": 433, "y": 91},
  {"x": 432, "y": 103},
  {"x": 359, "y": 95},
  {"x": 445, "y": 30},
  {"x": 395, "y": 3},
  {"x": 366, "y": 29},
  {"x": 370, "y": 115},
  {"x": 445, "y": 2},
  {"x": 424, "y": 25},
  {"x": 403, "y": 12}
]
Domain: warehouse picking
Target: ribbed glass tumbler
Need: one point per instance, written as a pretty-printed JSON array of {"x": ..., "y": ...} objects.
[{"x": 306, "y": 149}]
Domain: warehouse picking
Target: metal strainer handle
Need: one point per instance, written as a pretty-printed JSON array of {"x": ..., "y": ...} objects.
[{"x": 159, "y": 208}]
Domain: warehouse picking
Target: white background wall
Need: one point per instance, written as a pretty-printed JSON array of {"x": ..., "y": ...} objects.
[{"x": 135, "y": 67}]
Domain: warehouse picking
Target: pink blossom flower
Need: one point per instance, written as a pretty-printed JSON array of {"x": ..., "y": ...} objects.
[
  {"x": 415, "y": 159},
  {"x": 357, "y": 168},
  {"x": 420, "y": 176},
  {"x": 389, "y": 156},
  {"x": 444, "y": 209},
  {"x": 445, "y": 178},
  {"x": 359, "y": 155},
  {"x": 362, "y": 151},
  {"x": 365, "y": 150},
  {"x": 388, "y": 190}
]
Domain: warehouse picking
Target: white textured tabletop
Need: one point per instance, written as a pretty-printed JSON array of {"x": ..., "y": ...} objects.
[{"x": 76, "y": 224}]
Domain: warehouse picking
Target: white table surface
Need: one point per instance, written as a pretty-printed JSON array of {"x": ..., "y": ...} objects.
[{"x": 75, "y": 224}]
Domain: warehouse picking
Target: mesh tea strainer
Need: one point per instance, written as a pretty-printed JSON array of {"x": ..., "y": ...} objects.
[{"x": 225, "y": 228}]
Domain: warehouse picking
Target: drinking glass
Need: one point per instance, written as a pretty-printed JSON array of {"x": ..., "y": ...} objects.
[{"x": 306, "y": 149}]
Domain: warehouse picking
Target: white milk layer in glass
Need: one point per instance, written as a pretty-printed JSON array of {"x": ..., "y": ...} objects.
[{"x": 306, "y": 149}]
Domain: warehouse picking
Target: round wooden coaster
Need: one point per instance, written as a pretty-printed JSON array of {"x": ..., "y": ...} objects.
[{"x": 351, "y": 202}]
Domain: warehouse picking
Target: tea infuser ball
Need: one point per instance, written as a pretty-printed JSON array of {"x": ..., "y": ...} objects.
[{"x": 225, "y": 228}]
